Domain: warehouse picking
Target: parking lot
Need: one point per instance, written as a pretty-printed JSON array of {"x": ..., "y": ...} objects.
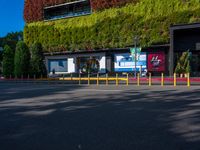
[{"x": 70, "y": 117}]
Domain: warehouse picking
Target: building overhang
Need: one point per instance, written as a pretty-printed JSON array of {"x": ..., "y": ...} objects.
[
  {"x": 63, "y": 4},
  {"x": 185, "y": 26}
]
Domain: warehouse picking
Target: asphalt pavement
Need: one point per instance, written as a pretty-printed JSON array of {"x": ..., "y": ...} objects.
[{"x": 70, "y": 117}]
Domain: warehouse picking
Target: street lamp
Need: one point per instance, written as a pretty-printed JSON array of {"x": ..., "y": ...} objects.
[{"x": 136, "y": 38}]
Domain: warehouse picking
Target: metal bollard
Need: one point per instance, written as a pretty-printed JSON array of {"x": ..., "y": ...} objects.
[
  {"x": 175, "y": 80},
  {"x": 88, "y": 79},
  {"x": 117, "y": 81},
  {"x": 188, "y": 80},
  {"x": 97, "y": 79},
  {"x": 162, "y": 79},
  {"x": 79, "y": 79},
  {"x": 150, "y": 79},
  {"x": 138, "y": 79},
  {"x": 71, "y": 76},
  {"x": 127, "y": 79},
  {"x": 106, "y": 79}
]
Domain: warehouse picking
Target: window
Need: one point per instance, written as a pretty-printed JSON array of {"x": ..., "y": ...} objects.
[
  {"x": 73, "y": 9},
  {"x": 58, "y": 65}
]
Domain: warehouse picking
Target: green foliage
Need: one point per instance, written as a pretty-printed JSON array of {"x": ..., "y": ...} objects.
[
  {"x": 22, "y": 60},
  {"x": 37, "y": 57},
  {"x": 114, "y": 27},
  {"x": 8, "y": 61},
  {"x": 11, "y": 39},
  {"x": 183, "y": 63}
]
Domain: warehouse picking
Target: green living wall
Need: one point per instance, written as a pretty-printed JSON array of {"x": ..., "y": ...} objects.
[{"x": 115, "y": 27}]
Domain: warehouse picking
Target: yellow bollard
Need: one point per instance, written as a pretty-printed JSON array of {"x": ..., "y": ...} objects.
[
  {"x": 127, "y": 80},
  {"x": 150, "y": 79},
  {"x": 162, "y": 79},
  {"x": 97, "y": 79},
  {"x": 71, "y": 76},
  {"x": 138, "y": 79},
  {"x": 88, "y": 79},
  {"x": 117, "y": 82},
  {"x": 79, "y": 79},
  {"x": 106, "y": 79},
  {"x": 188, "y": 80},
  {"x": 175, "y": 80}
]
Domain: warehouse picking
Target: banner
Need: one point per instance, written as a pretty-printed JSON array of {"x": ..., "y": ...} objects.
[{"x": 156, "y": 62}]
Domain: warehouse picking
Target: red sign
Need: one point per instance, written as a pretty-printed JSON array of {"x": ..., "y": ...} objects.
[{"x": 156, "y": 61}]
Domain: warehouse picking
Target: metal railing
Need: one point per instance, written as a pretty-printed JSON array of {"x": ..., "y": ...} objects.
[{"x": 114, "y": 79}]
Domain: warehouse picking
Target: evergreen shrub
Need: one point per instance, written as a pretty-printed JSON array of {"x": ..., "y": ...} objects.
[
  {"x": 8, "y": 61},
  {"x": 22, "y": 60}
]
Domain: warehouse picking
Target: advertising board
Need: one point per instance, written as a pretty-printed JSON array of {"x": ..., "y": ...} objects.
[
  {"x": 156, "y": 62},
  {"x": 124, "y": 62}
]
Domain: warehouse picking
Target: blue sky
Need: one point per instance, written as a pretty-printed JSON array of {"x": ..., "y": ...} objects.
[{"x": 11, "y": 16}]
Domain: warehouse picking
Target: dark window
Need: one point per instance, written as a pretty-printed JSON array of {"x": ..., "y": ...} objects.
[
  {"x": 58, "y": 65},
  {"x": 73, "y": 9}
]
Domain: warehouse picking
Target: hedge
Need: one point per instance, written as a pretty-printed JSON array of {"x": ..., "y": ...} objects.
[{"x": 115, "y": 27}]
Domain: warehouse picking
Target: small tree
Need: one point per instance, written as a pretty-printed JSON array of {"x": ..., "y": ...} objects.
[
  {"x": 22, "y": 60},
  {"x": 37, "y": 64},
  {"x": 8, "y": 61},
  {"x": 183, "y": 63}
]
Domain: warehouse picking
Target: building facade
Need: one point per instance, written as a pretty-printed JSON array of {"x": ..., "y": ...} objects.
[{"x": 98, "y": 35}]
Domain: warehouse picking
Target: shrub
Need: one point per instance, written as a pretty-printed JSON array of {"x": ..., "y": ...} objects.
[
  {"x": 8, "y": 61},
  {"x": 22, "y": 60},
  {"x": 183, "y": 63},
  {"x": 37, "y": 60}
]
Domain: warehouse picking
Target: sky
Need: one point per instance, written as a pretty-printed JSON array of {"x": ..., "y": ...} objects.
[{"x": 11, "y": 16}]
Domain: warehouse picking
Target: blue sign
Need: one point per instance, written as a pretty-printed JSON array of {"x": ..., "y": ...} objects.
[{"x": 124, "y": 62}]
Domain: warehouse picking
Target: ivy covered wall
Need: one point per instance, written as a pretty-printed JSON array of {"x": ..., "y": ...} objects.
[{"x": 114, "y": 27}]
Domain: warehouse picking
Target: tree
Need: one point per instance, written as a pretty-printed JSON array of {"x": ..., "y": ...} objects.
[
  {"x": 37, "y": 64},
  {"x": 8, "y": 61},
  {"x": 22, "y": 60}
]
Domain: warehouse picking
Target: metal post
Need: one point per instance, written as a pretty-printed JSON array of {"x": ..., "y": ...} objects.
[
  {"x": 97, "y": 79},
  {"x": 135, "y": 40},
  {"x": 79, "y": 79},
  {"x": 106, "y": 79},
  {"x": 127, "y": 80},
  {"x": 175, "y": 79},
  {"x": 150, "y": 80},
  {"x": 71, "y": 76},
  {"x": 88, "y": 78},
  {"x": 117, "y": 82},
  {"x": 162, "y": 79},
  {"x": 138, "y": 79},
  {"x": 188, "y": 80}
]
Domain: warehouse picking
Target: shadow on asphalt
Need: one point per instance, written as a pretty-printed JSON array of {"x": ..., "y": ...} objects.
[{"x": 69, "y": 118}]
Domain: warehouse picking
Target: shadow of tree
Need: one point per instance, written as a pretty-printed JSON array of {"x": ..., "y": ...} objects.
[{"x": 92, "y": 119}]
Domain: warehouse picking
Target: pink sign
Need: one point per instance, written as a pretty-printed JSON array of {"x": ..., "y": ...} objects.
[{"x": 156, "y": 61}]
